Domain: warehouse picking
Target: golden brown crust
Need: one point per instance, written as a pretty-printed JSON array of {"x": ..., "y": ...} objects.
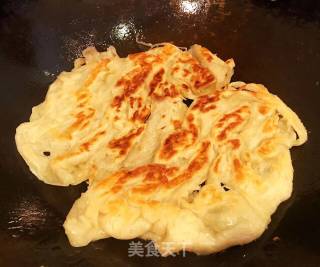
[
  {"x": 214, "y": 181},
  {"x": 230, "y": 121},
  {"x": 206, "y": 103},
  {"x": 123, "y": 143},
  {"x": 181, "y": 138},
  {"x": 154, "y": 176}
]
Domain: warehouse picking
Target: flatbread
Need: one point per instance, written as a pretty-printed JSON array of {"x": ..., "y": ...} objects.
[
  {"x": 199, "y": 178},
  {"x": 214, "y": 181},
  {"x": 110, "y": 112}
]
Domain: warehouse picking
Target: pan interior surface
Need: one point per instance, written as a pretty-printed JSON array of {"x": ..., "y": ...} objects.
[{"x": 275, "y": 43}]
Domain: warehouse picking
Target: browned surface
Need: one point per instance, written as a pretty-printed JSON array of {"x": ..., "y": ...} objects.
[
  {"x": 123, "y": 144},
  {"x": 230, "y": 121},
  {"x": 179, "y": 139},
  {"x": 206, "y": 103},
  {"x": 156, "y": 175}
]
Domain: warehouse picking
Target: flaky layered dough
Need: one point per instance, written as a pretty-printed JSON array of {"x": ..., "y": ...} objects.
[
  {"x": 107, "y": 113},
  {"x": 214, "y": 182},
  {"x": 200, "y": 178}
]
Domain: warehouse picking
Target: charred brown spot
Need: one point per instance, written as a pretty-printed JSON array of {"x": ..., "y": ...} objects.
[
  {"x": 205, "y": 103},
  {"x": 83, "y": 96},
  {"x": 82, "y": 120},
  {"x": 157, "y": 175},
  {"x": 263, "y": 110},
  {"x": 228, "y": 116},
  {"x": 84, "y": 125},
  {"x": 157, "y": 78},
  {"x": 160, "y": 89},
  {"x": 206, "y": 54},
  {"x": 133, "y": 80},
  {"x": 201, "y": 158},
  {"x": 83, "y": 93},
  {"x": 153, "y": 176},
  {"x": 86, "y": 146},
  {"x": 201, "y": 76},
  {"x": 179, "y": 139},
  {"x": 190, "y": 118},
  {"x": 186, "y": 59},
  {"x": 196, "y": 164},
  {"x": 230, "y": 127},
  {"x": 235, "y": 143},
  {"x": 172, "y": 142},
  {"x": 139, "y": 99},
  {"x": 238, "y": 169},
  {"x": 141, "y": 115},
  {"x": 237, "y": 120},
  {"x": 186, "y": 72},
  {"x": 216, "y": 165},
  {"x": 177, "y": 124},
  {"x": 165, "y": 92},
  {"x": 124, "y": 143},
  {"x": 130, "y": 84},
  {"x": 174, "y": 70},
  {"x": 117, "y": 101},
  {"x": 185, "y": 86},
  {"x": 131, "y": 101},
  {"x": 95, "y": 72}
]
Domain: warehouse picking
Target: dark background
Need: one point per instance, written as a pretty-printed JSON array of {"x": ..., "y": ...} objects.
[{"x": 276, "y": 43}]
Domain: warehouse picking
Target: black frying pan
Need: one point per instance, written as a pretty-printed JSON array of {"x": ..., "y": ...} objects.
[{"x": 273, "y": 42}]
